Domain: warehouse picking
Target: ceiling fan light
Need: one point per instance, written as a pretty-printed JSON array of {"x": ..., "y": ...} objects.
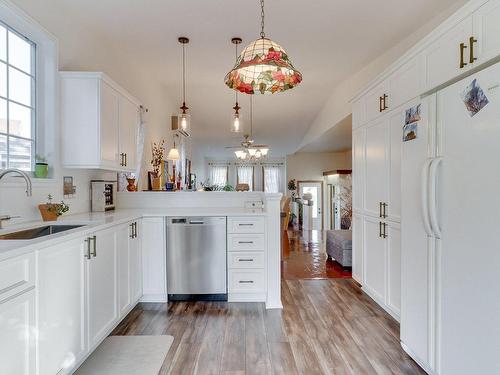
[
  {"x": 264, "y": 151},
  {"x": 252, "y": 151}
]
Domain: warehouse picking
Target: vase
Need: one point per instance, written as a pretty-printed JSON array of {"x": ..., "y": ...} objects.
[
  {"x": 131, "y": 184},
  {"x": 48, "y": 212},
  {"x": 156, "y": 183},
  {"x": 41, "y": 170}
]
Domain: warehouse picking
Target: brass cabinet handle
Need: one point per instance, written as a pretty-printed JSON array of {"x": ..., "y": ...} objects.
[
  {"x": 472, "y": 41},
  {"x": 462, "y": 51},
  {"x": 380, "y": 209},
  {"x": 245, "y": 242},
  {"x": 384, "y": 235},
  {"x": 380, "y": 229},
  {"x": 384, "y": 211},
  {"x": 380, "y": 109},
  {"x": 245, "y": 260},
  {"x": 246, "y": 282},
  {"x": 125, "y": 155},
  {"x": 94, "y": 240},
  {"x": 131, "y": 230},
  {"x": 135, "y": 229},
  {"x": 87, "y": 241},
  {"x": 384, "y": 101}
]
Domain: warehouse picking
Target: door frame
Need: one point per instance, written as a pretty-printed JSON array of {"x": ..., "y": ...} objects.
[{"x": 322, "y": 196}]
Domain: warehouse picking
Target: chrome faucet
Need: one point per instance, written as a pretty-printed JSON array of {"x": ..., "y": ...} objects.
[{"x": 24, "y": 175}]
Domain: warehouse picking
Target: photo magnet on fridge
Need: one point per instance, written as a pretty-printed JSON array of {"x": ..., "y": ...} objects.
[
  {"x": 474, "y": 98},
  {"x": 410, "y": 132},
  {"x": 413, "y": 114}
]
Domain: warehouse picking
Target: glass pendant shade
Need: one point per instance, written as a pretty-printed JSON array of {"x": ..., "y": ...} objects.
[
  {"x": 263, "y": 67},
  {"x": 264, "y": 151},
  {"x": 236, "y": 125},
  {"x": 173, "y": 154},
  {"x": 184, "y": 121},
  {"x": 252, "y": 151}
]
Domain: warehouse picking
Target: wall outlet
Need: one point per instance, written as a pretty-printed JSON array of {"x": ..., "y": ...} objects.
[{"x": 254, "y": 204}]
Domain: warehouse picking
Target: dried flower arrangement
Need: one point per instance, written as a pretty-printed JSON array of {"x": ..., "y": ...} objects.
[{"x": 157, "y": 156}]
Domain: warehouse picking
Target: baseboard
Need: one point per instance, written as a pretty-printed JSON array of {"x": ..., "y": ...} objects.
[
  {"x": 157, "y": 298},
  {"x": 246, "y": 297},
  {"x": 416, "y": 359}
]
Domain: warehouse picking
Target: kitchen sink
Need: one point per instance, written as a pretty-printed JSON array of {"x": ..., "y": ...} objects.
[{"x": 29, "y": 234}]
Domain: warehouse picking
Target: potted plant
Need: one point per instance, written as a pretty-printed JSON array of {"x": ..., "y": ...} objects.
[
  {"x": 41, "y": 167},
  {"x": 51, "y": 211},
  {"x": 292, "y": 187},
  {"x": 156, "y": 161}
]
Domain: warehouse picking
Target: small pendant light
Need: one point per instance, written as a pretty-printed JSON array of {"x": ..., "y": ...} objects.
[
  {"x": 263, "y": 67},
  {"x": 173, "y": 154},
  {"x": 184, "y": 119},
  {"x": 236, "y": 125}
]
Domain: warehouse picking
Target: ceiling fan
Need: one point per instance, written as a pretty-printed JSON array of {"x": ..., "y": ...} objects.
[{"x": 247, "y": 143}]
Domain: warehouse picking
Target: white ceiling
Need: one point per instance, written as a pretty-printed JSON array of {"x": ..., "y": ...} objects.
[
  {"x": 327, "y": 40},
  {"x": 337, "y": 138}
]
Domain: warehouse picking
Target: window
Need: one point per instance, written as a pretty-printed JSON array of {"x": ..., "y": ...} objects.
[
  {"x": 17, "y": 100},
  {"x": 245, "y": 176},
  {"x": 272, "y": 179},
  {"x": 218, "y": 175}
]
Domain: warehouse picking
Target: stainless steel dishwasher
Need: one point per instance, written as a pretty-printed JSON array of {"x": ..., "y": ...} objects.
[{"x": 196, "y": 259}]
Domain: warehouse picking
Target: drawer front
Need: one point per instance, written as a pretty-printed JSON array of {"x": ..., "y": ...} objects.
[
  {"x": 245, "y": 225},
  {"x": 246, "y": 281},
  {"x": 245, "y": 260},
  {"x": 16, "y": 275},
  {"x": 242, "y": 242}
]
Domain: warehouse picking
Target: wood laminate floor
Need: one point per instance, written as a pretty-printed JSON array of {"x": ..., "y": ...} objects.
[{"x": 325, "y": 327}]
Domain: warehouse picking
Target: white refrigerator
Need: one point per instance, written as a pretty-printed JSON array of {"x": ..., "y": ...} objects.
[{"x": 450, "y": 313}]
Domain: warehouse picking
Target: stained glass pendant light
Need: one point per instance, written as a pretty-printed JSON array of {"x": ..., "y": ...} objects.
[
  {"x": 236, "y": 125},
  {"x": 263, "y": 67},
  {"x": 184, "y": 119}
]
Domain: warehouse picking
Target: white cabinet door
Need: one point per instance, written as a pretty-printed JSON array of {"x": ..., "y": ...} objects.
[
  {"x": 135, "y": 262},
  {"x": 396, "y": 122},
  {"x": 358, "y": 169},
  {"x": 376, "y": 160},
  {"x": 374, "y": 259},
  {"x": 123, "y": 261},
  {"x": 374, "y": 106},
  {"x": 394, "y": 267},
  {"x": 154, "y": 260},
  {"x": 17, "y": 338},
  {"x": 129, "y": 120},
  {"x": 61, "y": 306},
  {"x": 442, "y": 58},
  {"x": 357, "y": 248},
  {"x": 102, "y": 287},
  {"x": 405, "y": 83},
  {"x": 487, "y": 31},
  {"x": 109, "y": 124}
]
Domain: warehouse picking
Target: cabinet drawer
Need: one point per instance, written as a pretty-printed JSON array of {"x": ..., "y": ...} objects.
[
  {"x": 245, "y": 225},
  {"x": 16, "y": 274},
  {"x": 245, "y": 260},
  {"x": 248, "y": 242},
  {"x": 246, "y": 281}
]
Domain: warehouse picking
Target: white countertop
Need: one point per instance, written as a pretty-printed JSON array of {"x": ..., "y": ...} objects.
[{"x": 95, "y": 221}]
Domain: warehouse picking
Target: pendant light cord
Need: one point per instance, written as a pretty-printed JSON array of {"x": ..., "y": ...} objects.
[
  {"x": 262, "y": 33},
  {"x": 236, "y": 56},
  {"x": 251, "y": 115},
  {"x": 184, "y": 73}
]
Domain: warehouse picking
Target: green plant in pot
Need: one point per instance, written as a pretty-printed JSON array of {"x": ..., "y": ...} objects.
[
  {"x": 41, "y": 167},
  {"x": 51, "y": 211}
]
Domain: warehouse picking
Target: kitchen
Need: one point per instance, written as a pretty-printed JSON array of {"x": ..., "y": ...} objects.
[{"x": 143, "y": 138}]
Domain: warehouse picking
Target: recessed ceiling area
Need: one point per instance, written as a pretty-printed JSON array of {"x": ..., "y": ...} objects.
[{"x": 327, "y": 41}]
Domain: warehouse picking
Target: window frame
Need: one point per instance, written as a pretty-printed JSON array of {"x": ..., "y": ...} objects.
[{"x": 33, "y": 107}]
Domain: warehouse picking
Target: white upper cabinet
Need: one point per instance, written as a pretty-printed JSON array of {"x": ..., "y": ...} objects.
[
  {"x": 99, "y": 121},
  {"x": 405, "y": 84},
  {"x": 487, "y": 31},
  {"x": 377, "y": 101},
  {"x": 358, "y": 168},
  {"x": 376, "y": 158},
  {"x": 448, "y": 56}
]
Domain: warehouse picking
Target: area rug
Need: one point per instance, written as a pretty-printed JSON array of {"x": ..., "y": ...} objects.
[{"x": 128, "y": 355}]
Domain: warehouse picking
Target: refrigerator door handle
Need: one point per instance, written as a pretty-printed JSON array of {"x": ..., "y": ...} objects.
[
  {"x": 424, "y": 196},
  {"x": 432, "y": 196}
]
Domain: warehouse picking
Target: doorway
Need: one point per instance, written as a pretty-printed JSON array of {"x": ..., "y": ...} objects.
[{"x": 315, "y": 188}]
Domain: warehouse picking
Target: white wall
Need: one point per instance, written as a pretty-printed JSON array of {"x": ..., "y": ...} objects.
[
  {"x": 338, "y": 105},
  {"x": 82, "y": 50}
]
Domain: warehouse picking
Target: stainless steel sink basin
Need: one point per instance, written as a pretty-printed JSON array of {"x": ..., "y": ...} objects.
[{"x": 29, "y": 234}]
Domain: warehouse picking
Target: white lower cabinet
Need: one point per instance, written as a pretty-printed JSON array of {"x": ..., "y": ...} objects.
[
  {"x": 61, "y": 307},
  {"x": 394, "y": 267},
  {"x": 123, "y": 262},
  {"x": 135, "y": 261},
  {"x": 154, "y": 260},
  {"x": 357, "y": 248},
  {"x": 17, "y": 338},
  {"x": 374, "y": 256},
  {"x": 102, "y": 289}
]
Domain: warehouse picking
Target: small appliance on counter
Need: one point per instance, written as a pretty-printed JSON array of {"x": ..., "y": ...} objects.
[{"x": 102, "y": 195}]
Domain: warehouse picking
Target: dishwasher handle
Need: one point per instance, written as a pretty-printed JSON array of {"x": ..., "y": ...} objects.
[{"x": 199, "y": 222}]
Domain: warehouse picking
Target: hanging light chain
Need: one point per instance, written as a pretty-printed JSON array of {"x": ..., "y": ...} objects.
[
  {"x": 262, "y": 15},
  {"x": 251, "y": 115},
  {"x": 236, "y": 56}
]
